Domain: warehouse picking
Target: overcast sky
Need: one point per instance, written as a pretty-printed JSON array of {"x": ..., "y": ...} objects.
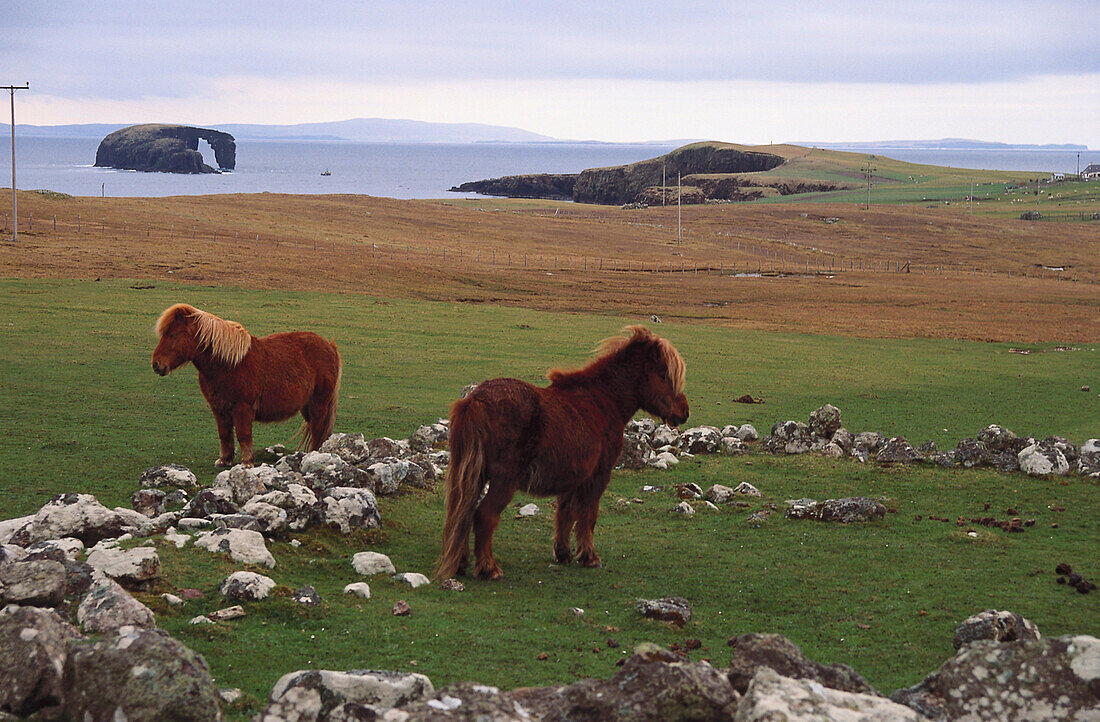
[{"x": 753, "y": 72}]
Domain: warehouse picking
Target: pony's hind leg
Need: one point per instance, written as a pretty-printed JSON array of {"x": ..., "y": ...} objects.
[
  {"x": 225, "y": 438},
  {"x": 486, "y": 520},
  {"x": 563, "y": 527}
]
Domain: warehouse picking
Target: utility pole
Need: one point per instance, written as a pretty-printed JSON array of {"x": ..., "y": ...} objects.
[
  {"x": 14, "y": 207},
  {"x": 868, "y": 173},
  {"x": 679, "y": 223}
]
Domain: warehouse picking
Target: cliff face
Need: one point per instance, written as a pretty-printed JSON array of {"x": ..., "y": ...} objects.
[
  {"x": 165, "y": 148},
  {"x": 552, "y": 186}
]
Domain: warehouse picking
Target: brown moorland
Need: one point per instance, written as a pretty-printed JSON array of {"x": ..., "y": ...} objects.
[{"x": 888, "y": 271}]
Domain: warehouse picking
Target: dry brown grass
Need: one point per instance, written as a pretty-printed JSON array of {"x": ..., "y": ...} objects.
[{"x": 396, "y": 248}]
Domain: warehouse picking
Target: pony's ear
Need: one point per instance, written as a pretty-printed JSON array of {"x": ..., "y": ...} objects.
[{"x": 169, "y": 316}]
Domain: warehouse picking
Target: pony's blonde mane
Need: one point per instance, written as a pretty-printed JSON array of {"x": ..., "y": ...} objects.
[
  {"x": 227, "y": 341},
  {"x": 674, "y": 363}
]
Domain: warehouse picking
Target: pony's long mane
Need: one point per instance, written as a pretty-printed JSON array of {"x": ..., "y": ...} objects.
[
  {"x": 611, "y": 347},
  {"x": 227, "y": 341}
]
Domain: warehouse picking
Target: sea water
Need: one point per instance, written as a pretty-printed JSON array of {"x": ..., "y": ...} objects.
[{"x": 397, "y": 170}]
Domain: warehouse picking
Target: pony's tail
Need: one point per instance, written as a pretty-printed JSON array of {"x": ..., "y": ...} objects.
[
  {"x": 327, "y": 411},
  {"x": 464, "y": 481}
]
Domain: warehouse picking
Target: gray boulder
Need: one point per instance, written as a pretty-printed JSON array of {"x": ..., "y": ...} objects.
[
  {"x": 636, "y": 453},
  {"x": 148, "y": 502},
  {"x": 870, "y": 441},
  {"x": 242, "y": 545},
  {"x": 348, "y": 508},
  {"x": 1043, "y": 459},
  {"x": 971, "y": 453},
  {"x": 994, "y": 626},
  {"x": 464, "y": 701},
  {"x": 1088, "y": 460},
  {"x": 653, "y": 685},
  {"x": 36, "y": 644},
  {"x": 371, "y": 563},
  {"x": 209, "y": 502},
  {"x": 321, "y": 472},
  {"x": 270, "y": 520},
  {"x": 246, "y": 482},
  {"x": 844, "y": 439},
  {"x": 719, "y": 494},
  {"x": 303, "y": 509},
  {"x": 824, "y": 421},
  {"x": 34, "y": 582},
  {"x": 108, "y": 606},
  {"x": 386, "y": 476},
  {"x": 664, "y": 435},
  {"x": 771, "y": 697},
  {"x": 71, "y": 515},
  {"x": 1032, "y": 679},
  {"x": 139, "y": 675},
  {"x": 753, "y": 652},
  {"x": 996, "y": 438},
  {"x": 845, "y": 511},
  {"x": 428, "y": 436},
  {"x": 246, "y": 587},
  {"x": 666, "y": 609},
  {"x": 700, "y": 440},
  {"x": 137, "y": 565},
  {"x": 352, "y": 448},
  {"x": 169, "y": 476},
  {"x": 315, "y": 694},
  {"x": 897, "y": 450},
  {"x": 747, "y": 432}
]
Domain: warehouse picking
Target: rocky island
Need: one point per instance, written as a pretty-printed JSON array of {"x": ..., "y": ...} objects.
[
  {"x": 708, "y": 171},
  {"x": 165, "y": 148}
]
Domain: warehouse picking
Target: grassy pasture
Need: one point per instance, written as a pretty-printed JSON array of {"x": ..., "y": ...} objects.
[{"x": 85, "y": 412}]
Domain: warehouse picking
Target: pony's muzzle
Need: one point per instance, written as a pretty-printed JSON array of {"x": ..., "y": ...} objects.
[
  {"x": 160, "y": 369},
  {"x": 678, "y": 414}
]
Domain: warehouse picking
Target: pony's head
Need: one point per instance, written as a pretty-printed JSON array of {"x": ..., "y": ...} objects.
[
  {"x": 186, "y": 331},
  {"x": 661, "y": 382}
]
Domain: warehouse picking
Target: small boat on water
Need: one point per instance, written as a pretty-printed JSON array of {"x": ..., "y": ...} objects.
[{"x": 326, "y": 171}]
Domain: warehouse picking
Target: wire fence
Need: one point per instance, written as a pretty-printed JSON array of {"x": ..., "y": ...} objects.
[{"x": 742, "y": 256}]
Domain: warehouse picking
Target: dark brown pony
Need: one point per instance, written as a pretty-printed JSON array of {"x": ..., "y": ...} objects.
[
  {"x": 560, "y": 440},
  {"x": 245, "y": 378}
]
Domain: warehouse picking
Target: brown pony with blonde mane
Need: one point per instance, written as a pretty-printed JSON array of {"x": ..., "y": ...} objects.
[
  {"x": 245, "y": 378},
  {"x": 561, "y": 440}
]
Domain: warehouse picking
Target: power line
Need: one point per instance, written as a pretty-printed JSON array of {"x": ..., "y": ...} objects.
[{"x": 14, "y": 208}]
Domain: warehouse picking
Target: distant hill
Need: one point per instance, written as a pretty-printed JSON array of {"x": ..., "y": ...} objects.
[
  {"x": 942, "y": 144},
  {"x": 364, "y": 130}
]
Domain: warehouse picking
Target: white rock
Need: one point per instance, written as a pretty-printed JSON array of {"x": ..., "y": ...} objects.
[
  {"x": 710, "y": 506},
  {"x": 1034, "y": 461},
  {"x": 134, "y": 566},
  {"x": 108, "y": 606},
  {"x": 70, "y": 547},
  {"x": 669, "y": 458},
  {"x": 8, "y": 527},
  {"x": 413, "y": 579},
  {"x": 246, "y": 586},
  {"x": 771, "y": 696},
  {"x": 201, "y": 619},
  {"x": 746, "y": 489},
  {"x": 370, "y": 563},
  {"x": 747, "y": 432},
  {"x": 529, "y": 510},
  {"x": 361, "y": 589},
  {"x": 684, "y": 508},
  {"x": 172, "y": 599},
  {"x": 719, "y": 494},
  {"x": 180, "y": 540},
  {"x": 384, "y": 689},
  {"x": 242, "y": 545}
]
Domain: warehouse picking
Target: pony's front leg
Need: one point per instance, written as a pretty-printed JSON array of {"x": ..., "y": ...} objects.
[
  {"x": 563, "y": 528},
  {"x": 225, "y": 437},
  {"x": 587, "y": 509},
  {"x": 485, "y": 523},
  {"x": 242, "y": 420}
]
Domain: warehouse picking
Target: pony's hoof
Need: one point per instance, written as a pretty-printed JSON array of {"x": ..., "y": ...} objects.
[
  {"x": 590, "y": 563},
  {"x": 563, "y": 557},
  {"x": 223, "y": 463},
  {"x": 490, "y": 575}
]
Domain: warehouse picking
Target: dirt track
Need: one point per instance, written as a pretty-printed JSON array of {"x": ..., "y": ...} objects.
[{"x": 965, "y": 280}]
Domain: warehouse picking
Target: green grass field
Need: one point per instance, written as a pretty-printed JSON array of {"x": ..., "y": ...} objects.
[{"x": 85, "y": 413}]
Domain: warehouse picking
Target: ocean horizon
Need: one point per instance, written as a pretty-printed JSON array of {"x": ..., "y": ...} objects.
[{"x": 409, "y": 170}]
